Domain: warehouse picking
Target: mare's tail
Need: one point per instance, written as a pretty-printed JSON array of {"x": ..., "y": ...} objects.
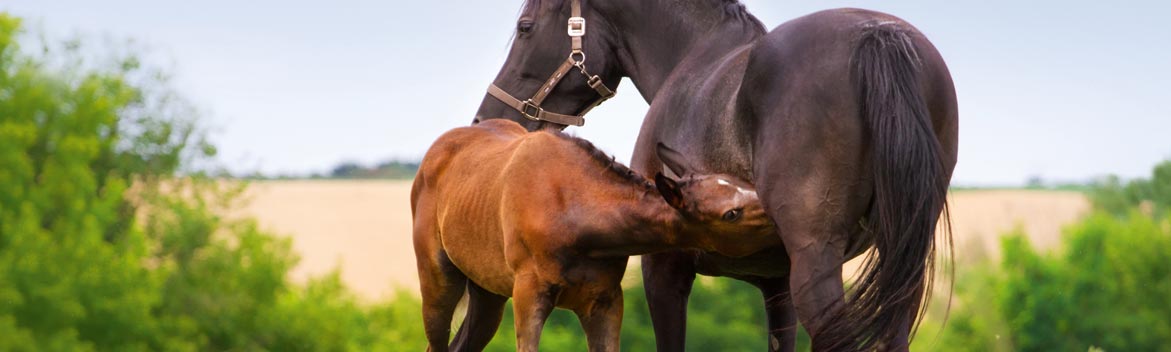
[{"x": 910, "y": 185}]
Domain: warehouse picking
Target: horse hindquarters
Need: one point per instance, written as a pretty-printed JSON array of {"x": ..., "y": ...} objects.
[
  {"x": 910, "y": 181},
  {"x": 845, "y": 135}
]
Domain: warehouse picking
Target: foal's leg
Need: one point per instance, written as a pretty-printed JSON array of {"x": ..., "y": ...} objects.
[
  {"x": 440, "y": 282},
  {"x": 442, "y": 285},
  {"x": 532, "y": 301},
  {"x": 667, "y": 278},
  {"x": 602, "y": 321},
  {"x": 485, "y": 310},
  {"x": 782, "y": 317}
]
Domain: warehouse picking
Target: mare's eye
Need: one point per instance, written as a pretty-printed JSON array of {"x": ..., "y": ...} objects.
[
  {"x": 733, "y": 215},
  {"x": 524, "y": 26}
]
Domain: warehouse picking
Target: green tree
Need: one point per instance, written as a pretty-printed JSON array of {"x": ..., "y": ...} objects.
[
  {"x": 1107, "y": 287},
  {"x": 1112, "y": 195},
  {"x": 71, "y": 261},
  {"x": 111, "y": 239}
]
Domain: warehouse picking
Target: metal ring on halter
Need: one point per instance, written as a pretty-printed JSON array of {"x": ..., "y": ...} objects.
[{"x": 577, "y": 62}]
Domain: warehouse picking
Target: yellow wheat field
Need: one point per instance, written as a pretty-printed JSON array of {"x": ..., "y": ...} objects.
[{"x": 365, "y": 226}]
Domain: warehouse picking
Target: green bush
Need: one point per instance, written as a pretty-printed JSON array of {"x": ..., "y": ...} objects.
[
  {"x": 1153, "y": 195},
  {"x": 110, "y": 240},
  {"x": 1106, "y": 288},
  {"x": 70, "y": 259},
  {"x": 723, "y": 315}
]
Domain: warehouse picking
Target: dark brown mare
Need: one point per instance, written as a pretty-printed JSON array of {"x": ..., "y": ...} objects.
[
  {"x": 550, "y": 221},
  {"x": 845, "y": 120}
]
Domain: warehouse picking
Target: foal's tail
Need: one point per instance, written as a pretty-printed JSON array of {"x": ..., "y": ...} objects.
[{"x": 910, "y": 190}]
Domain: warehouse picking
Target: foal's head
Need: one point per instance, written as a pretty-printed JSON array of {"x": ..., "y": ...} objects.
[{"x": 721, "y": 212}]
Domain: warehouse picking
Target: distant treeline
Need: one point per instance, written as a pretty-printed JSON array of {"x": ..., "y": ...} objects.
[
  {"x": 1037, "y": 183},
  {"x": 350, "y": 170},
  {"x": 405, "y": 170},
  {"x": 388, "y": 170}
]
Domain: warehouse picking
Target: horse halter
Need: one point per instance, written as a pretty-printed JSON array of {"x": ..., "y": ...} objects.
[{"x": 531, "y": 108}]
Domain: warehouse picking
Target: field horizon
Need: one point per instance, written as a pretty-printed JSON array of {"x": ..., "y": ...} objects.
[{"x": 363, "y": 227}]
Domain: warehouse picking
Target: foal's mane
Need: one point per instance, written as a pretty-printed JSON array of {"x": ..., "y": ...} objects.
[{"x": 606, "y": 161}]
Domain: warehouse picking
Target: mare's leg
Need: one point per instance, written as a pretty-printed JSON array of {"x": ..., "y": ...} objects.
[
  {"x": 485, "y": 309},
  {"x": 815, "y": 281},
  {"x": 902, "y": 341},
  {"x": 809, "y": 215},
  {"x": 815, "y": 212},
  {"x": 667, "y": 278},
  {"x": 782, "y": 317},
  {"x": 532, "y": 301},
  {"x": 602, "y": 321}
]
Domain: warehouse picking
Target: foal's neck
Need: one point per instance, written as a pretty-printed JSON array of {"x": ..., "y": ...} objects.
[
  {"x": 639, "y": 223},
  {"x": 662, "y": 35}
]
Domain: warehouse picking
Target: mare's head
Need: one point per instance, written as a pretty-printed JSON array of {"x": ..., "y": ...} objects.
[
  {"x": 543, "y": 43},
  {"x": 721, "y": 212}
]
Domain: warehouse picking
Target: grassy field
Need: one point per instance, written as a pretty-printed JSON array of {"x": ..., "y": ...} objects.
[{"x": 365, "y": 226}]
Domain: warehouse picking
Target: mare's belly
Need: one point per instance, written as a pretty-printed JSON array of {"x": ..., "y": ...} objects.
[{"x": 770, "y": 263}]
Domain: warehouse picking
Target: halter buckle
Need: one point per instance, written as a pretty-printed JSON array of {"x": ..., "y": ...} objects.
[
  {"x": 576, "y": 26},
  {"x": 529, "y": 106}
]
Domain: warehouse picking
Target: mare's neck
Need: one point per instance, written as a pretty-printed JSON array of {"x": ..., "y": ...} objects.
[{"x": 663, "y": 34}]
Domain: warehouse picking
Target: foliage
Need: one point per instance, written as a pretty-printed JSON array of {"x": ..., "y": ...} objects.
[
  {"x": 1107, "y": 288},
  {"x": 111, "y": 240},
  {"x": 1152, "y": 195},
  {"x": 723, "y": 315},
  {"x": 71, "y": 261}
]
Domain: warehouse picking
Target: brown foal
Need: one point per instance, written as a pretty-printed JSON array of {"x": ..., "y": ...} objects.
[{"x": 550, "y": 221}]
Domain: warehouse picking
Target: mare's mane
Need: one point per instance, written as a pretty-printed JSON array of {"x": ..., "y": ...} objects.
[
  {"x": 736, "y": 10},
  {"x": 732, "y": 8},
  {"x": 606, "y": 161}
]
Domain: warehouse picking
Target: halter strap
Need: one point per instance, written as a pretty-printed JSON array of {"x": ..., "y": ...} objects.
[
  {"x": 575, "y": 19},
  {"x": 552, "y": 82},
  {"x": 532, "y": 111},
  {"x": 531, "y": 108}
]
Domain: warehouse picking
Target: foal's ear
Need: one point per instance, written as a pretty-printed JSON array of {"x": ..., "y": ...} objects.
[
  {"x": 670, "y": 190},
  {"x": 674, "y": 160}
]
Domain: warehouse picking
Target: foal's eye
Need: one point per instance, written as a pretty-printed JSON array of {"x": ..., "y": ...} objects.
[
  {"x": 524, "y": 26},
  {"x": 733, "y": 215}
]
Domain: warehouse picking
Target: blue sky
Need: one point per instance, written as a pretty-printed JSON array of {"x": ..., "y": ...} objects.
[{"x": 1065, "y": 90}]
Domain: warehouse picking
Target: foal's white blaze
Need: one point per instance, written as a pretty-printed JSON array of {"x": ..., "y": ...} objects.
[{"x": 743, "y": 191}]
